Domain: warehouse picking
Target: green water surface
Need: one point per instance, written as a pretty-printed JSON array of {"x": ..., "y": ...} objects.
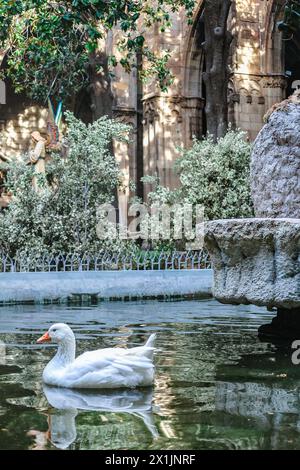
[{"x": 217, "y": 385}]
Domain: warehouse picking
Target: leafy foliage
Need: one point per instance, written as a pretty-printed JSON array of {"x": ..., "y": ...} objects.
[
  {"x": 62, "y": 216},
  {"x": 214, "y": 175},
  {"x": 49, "y": 43}
]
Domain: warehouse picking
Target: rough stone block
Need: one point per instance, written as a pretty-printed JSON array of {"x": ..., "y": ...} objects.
[
  {"x": 256, "y": 261},
  {"x": 275, "y": 163}
]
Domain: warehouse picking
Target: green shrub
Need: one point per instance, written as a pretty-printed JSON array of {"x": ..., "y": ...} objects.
[
  {"x": 214, "y": 175},
  {"x": 217, "y": 175},
  {"x": 62, "y": 215}
]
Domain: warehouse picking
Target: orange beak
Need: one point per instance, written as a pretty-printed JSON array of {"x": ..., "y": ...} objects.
[{"x": 44, "y": 339}]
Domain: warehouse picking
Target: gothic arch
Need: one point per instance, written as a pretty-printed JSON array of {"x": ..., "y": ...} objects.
[
  {"x": 273, "y": 58},
  {"x": 282, "y": 56},
  {"x": 193, "y": 86},
  {"x": 194, "y": 56}
]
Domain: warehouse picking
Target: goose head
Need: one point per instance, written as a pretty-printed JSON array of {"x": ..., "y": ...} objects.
[
  {"x": 63, "y": 336},
  {"x": 57, "y": 333}
]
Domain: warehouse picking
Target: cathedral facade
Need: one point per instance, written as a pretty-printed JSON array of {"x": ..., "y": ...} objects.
[{"x": 264, "y": 70}]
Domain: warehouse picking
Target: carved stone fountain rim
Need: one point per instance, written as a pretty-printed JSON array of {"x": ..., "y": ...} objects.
[{"x": 256, "y": 261}]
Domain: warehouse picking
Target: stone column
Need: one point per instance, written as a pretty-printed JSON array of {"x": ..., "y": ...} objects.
[
  {"x": 125, "y": 154},
  {"x": 151, "y": 116},
  {"x": 169, "y": 122},
  {"x": 274, "y": 89}
]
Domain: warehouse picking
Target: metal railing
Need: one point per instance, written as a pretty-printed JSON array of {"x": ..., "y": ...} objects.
[{"x": 144, "y": 260}]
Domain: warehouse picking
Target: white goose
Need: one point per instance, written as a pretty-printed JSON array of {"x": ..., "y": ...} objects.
[{"x": 103, "y": 368}]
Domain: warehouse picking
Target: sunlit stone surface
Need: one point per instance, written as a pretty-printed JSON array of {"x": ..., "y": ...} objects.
[
  {"x": 275, "y": 164},
  {"x": 256, "y": 261}
]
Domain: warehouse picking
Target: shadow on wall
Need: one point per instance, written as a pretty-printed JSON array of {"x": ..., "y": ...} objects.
[{"x": 19, "y": 117}]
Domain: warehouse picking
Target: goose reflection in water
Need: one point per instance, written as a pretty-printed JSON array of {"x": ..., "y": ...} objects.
[{"x": 66, "y": 403}]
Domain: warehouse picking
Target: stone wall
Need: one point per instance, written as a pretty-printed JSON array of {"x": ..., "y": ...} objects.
[
  {"x": 19, "y": 117},
  {"x": 258, "y": 63},
  {"x": 163, "y": 121},
  {"x": 64, "y": 286},
  {"x": 257, "y": 82}
]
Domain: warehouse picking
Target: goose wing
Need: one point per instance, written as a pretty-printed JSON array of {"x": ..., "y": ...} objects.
[{"x": 110, "y": 368}]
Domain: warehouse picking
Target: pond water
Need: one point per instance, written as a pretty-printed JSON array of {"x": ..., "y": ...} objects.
[{"x": 217, "y": 385}]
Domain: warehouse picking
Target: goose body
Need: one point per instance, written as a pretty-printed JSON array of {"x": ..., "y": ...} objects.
[{"x": 101, "y": 369}]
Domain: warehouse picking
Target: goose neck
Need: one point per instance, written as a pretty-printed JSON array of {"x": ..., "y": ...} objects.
[{"x": 66, "y": 352}]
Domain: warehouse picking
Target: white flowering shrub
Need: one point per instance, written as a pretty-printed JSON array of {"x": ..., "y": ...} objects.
[
  {"x": 62, "y": 216},
  {"x": 214, "y": 175},
  {"x": 217, "y": 176}
]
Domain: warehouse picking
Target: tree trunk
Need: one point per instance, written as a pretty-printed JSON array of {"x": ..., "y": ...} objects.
[{"x": 216, "y": 76}]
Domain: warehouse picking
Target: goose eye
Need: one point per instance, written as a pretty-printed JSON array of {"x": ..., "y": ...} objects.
[{"x": 54, "y": 330}]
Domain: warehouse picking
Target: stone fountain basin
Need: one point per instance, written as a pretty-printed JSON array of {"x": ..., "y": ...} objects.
[{"x": 256, "y": 261}]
